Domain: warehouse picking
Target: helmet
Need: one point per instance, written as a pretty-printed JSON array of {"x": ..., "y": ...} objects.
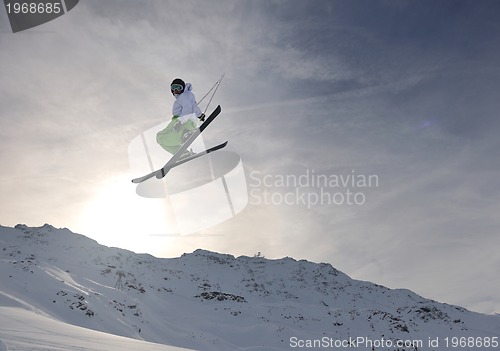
[{"x": 177, "y": 86}]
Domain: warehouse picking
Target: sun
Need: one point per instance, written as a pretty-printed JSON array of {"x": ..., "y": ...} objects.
[{"x": 117, "y": 216}]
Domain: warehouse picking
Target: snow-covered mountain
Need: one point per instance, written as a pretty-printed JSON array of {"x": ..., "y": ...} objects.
[{"x": 210, "y": 301}]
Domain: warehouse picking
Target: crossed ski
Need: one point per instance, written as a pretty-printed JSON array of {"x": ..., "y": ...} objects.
[{"x": 176, "y": 159}]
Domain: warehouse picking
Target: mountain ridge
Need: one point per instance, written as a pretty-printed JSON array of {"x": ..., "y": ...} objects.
[{"x": 213, "y": 301}]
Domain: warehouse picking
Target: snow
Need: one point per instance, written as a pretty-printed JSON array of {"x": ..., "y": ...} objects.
[
  {"x": 61, "y": 290},
  {"x": 25, "y": 330}
]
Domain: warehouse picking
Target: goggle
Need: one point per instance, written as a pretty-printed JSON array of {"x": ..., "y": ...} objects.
[{"x": 176, "y": 87}]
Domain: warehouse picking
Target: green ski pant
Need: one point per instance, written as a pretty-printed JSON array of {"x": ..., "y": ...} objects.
[{"x": 170, "y": 139}]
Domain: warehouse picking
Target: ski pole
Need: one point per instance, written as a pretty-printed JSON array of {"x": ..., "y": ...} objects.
[
  {"x": 217, "y": 87},
  {"x": 212, "y": 88}
]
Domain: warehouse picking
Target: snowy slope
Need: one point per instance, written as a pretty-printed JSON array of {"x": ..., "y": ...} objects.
[
  {"x": 25, "y": 330},
  {"x": 209, "y": 301}
]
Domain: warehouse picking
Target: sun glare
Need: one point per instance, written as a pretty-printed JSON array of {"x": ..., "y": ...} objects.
[{"x": 117, "y": 216}]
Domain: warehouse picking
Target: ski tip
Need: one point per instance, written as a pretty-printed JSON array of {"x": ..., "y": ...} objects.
[{"x": 160, "y": 174}]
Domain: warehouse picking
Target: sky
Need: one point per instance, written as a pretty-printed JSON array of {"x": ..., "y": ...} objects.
[{"x": 315, "y": 93}]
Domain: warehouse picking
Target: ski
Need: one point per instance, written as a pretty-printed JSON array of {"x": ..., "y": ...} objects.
[
  {"x": 163, "y": 171},
  {"x": 182, "y": 149},
  {"x": 143, "y": 178}
]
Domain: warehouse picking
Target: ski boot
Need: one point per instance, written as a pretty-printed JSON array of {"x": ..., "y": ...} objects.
[
  {"x": 185, "y": 154},
  {"x": 185, "y": 135}
]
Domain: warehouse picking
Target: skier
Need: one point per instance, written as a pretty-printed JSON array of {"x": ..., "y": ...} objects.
[
  {"x": 185, "y": 113},
  {"x": 182, "y": 131}
]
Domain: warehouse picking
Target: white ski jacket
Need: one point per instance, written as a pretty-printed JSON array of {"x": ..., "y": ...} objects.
[{"x": 185, "y": 106}]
